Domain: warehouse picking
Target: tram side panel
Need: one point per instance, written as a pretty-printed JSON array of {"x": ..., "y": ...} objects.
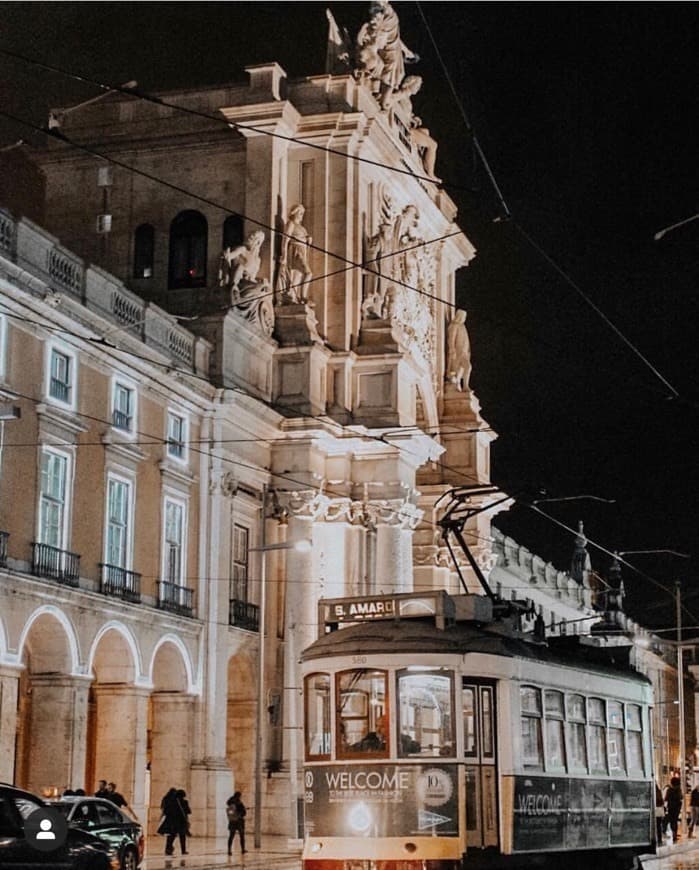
[{"x": 569, "y": 779}]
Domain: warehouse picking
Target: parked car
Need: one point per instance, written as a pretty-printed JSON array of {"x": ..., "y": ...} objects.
[
  {"x": 80, "y": 851},
  {"x": 101, "y": 818}
]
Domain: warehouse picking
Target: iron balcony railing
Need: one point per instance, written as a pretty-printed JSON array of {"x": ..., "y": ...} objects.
[
  {"x": 175, "y": 598},
  {"x": 3, "y": 549},
  {"x": 59, "y": 565},
  {"x": 120, "y": 583},
  {"x": 60, "y": 390},
  {"x": 120, "y": 420},
  {"x": 242, "y": 614}
]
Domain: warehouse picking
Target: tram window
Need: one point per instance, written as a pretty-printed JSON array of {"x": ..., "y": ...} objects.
[
  {"x": 530, "y": 699},
  {"x": 426, "y": 717},
  {"x": 597, "y": 735},
  {"x": 615, "y": 738},
  {"x": 634, "y": 739},
  {"x": 362, "y": 714},
  {"x": 575, "y": 732},
  {"x": 317, "y": 716},
  {"x": 468, "y": 702},
  {"x": 555, "y": 745},
  {"x": 488, "y": 748}
]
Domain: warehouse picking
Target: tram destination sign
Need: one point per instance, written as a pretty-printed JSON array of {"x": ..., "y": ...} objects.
[
  {"x": 389, "y": 800},
  {"x": 401, "y": 606}
]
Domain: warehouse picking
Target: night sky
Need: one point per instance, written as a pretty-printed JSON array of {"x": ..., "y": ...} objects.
[{"x": 587, "y": 115}]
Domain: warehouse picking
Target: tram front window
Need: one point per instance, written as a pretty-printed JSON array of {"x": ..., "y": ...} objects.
[
  {"x": 426, "y": 714},
  {"x": 362, "y": 714}
]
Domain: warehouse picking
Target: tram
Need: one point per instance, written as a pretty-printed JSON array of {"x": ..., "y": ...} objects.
[{"x": 439, "y": 737}]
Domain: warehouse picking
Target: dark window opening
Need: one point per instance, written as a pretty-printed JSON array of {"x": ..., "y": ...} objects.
[
  {"x": 232, "y": 231},
  {"x": 144, "y": 251},
  {"x": 188, "y": 242}
]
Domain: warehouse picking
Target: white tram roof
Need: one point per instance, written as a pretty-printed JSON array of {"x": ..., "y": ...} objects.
[{"x": 430, "y": 634}]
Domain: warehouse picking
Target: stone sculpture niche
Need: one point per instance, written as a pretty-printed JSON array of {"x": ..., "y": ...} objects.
[
  {"x": 294, "y": 274},
  {"x": 250, "y": 297}
]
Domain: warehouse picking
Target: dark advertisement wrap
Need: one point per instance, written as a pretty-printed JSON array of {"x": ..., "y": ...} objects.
[
  {"x": 388, "y": 800},
  {"x": 553, "y": 814}
]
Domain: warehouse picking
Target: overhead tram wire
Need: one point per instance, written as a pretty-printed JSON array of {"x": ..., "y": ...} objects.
[
  {"x": 65, "y": 140},
  {"x": 507, "y": 215},
  {"x": 137, "y": 93}
]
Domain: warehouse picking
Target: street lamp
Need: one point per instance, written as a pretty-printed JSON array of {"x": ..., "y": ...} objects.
[
  {"x": 301, "y": 546},
  {"x": 680, "y": 666}
]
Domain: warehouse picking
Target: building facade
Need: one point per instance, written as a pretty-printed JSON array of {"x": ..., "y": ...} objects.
[{"x": 237, "y": 328}]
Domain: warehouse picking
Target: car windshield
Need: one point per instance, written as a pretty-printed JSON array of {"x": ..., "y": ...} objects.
[{"x": 25, "y": 806}]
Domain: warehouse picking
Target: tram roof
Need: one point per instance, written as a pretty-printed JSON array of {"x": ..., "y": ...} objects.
[{"x": 418, "y": 636}]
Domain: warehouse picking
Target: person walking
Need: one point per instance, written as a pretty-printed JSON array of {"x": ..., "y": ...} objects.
[
  {"x": 175, "y": 810},
  {"x": 674, "y": 800},
  {"x": 236, "y": 812},
  {"x": 694, "y": 809}
]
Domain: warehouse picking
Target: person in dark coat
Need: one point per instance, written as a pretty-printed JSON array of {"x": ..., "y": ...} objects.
[
  {"x": 175, "y": 823},
  {"x": 236, "y": 812},
  {"x": 674, "y": 800}
]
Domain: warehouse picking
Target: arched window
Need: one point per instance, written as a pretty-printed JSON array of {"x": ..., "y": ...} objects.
[
  {"x": 232, "y": 231},
  {"x": 188, "y": 241},
  {"x": 144, "y": 250}
]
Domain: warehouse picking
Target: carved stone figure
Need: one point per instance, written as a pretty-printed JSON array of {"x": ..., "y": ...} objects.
[
  {"x": 381, "y": 54},
  {"x": 250, "y": 297},
  {"x": 458, "y": 369},
  {"x": 241, "y": 263},
  {"x": 425, "y": 144},
  {"x": 401, "y": 97},
  {"x": 294, "y": 270}
]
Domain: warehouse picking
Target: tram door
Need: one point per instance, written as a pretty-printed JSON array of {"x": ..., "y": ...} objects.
[{"x": 478, "y": 702}]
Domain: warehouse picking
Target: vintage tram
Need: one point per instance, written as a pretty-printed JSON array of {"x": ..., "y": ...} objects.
[{"x": 438, "y": 736}]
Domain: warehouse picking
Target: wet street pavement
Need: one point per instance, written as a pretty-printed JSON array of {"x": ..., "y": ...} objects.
[{"x": 209, "y": 854}]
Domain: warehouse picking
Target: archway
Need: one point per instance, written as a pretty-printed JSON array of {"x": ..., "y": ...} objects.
[
  {"x": 52, "y": 707},
  {"x": 170, "y": 726},
  {"x": 117, "y": 716},
  {"x": 240, "y": 725}
]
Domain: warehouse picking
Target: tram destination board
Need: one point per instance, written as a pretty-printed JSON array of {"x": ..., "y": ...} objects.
[
  {"x": 381, "y": 801},
  {"x": 558, "y": 813}
]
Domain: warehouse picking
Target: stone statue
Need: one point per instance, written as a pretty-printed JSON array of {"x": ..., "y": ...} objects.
[
  {"x": 458, "y": 369},
  {"x": 401, "y": 97},
  {"x": 241, "y": 263},
  {"x": 294, "y": 271},
  {"x": 249, "y": 296},
  {"x": 425, "y": 144},
  {"x": 381, "y": 54}
]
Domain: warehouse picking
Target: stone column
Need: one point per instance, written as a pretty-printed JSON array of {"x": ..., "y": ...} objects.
[
  {"x": 395, "y": 521},
  {"x": 121, "y": 741},
  {"x": 9, "y": 688},
  {"x": 171, "y": 747},
  {"x": 57, "y": 732}
]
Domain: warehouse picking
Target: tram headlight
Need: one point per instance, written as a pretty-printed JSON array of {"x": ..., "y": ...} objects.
[{"x": 360, "y": 818}]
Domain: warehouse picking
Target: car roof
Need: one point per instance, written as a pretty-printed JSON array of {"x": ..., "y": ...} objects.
[{"x": 5, "y": 786}]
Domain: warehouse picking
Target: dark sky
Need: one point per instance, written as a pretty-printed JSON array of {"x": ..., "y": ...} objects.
[{"x": 587, "y": 114}]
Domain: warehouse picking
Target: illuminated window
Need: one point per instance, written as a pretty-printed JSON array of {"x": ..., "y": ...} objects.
[
  {"x": 53, "y": 499},
  {"x": 532, "y": 752},
  {"x": 468, "y": 701},
  {"x": 173, "y": 550},
  {"x": 144, "y": 251},
  {"x": 597, "y": 735},
  {"x": 317, "y": 696},
  {"x": 362, "y": 714},
  {"x": 118, "y": 522},
  {"x": 241, "y": 537},
  {"x": 123, "y": 407},
  {"x": 555, "y": 743},
  {"x": 615, "y": 738},
  {"x": 176, "y": 436},
  {"x": 634, "y": 739},
  {"x": 425, "y": 714},
  {"x": 575, "y": 730},
  {"x": 188, "y": 250}
]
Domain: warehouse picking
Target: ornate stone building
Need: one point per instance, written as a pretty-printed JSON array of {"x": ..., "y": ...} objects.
[{"x": 265, "y": 350}]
